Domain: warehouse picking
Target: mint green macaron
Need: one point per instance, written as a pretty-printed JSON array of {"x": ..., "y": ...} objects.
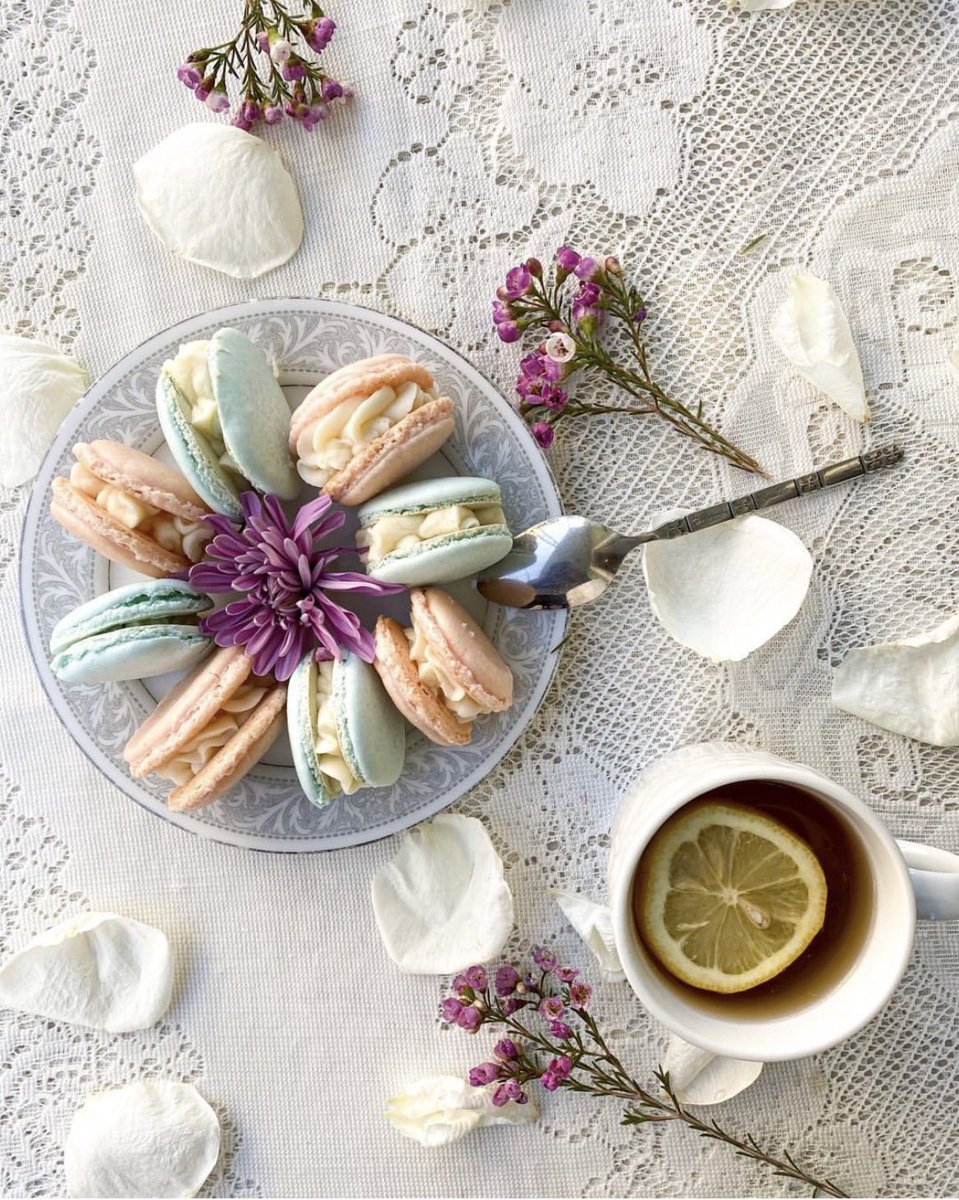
[
  {"x": 133, "y": 632},
  {"x": 435, "y": 531},
  {"x": 226, "y": 421},
  {"x": 345, "y": 733}
]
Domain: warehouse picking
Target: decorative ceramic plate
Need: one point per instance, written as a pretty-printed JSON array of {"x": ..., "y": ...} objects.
[{"x": 307, "y": 339}]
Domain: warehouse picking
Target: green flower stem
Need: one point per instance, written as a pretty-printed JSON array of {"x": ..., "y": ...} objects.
[
  {"x": 240, "y": 58},
  {"x": 600, "y": 1073},
  {"x": 543, "y": 305}
]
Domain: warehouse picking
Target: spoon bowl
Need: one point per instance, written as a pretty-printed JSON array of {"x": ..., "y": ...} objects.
[{"x": 569, "y": 561}]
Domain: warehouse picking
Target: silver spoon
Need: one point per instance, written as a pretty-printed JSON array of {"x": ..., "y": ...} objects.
[{"x": 569, "y": 561}]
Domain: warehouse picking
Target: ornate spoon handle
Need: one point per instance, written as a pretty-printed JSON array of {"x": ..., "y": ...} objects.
[{"x": 815, "y": 481}]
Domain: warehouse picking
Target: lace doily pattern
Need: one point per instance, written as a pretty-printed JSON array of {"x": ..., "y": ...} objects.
[
  {"x": 714, "y": 151},
  {"x": 48, "y": 1068}
]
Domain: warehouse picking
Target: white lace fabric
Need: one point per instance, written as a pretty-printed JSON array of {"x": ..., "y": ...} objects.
[{"x": 673, "y": 133}]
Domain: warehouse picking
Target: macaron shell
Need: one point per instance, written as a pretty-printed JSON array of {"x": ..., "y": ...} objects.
[
  {"x": 79, "y": 515},
  {"x": 187, "y": 709},
  {"x": 371, "y": 729},
  {"x": 241, "y": 753},
  {"x": 193, "y": 453},
  {"x": 361, "y": 378},
  {"x": 254, "y": 415},
  {"x": 415, "y": 701},
  {"x": 445, "y": 559},
  {"x": 142, "y": 476},
  {"x": 394, "y": 454},
  {"x": 299, "y": 721},
  {"x": 462, "y": 648},
  {"x": 137, "y": 652},
  {"x": 428, "y": 494},
  {"x": 131, "y": 605}
]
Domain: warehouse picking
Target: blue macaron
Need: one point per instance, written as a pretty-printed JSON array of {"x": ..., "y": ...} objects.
[
  {"x": 227, "y": 421},
  {"x": 132, "y": 632},
  {"x": 345, "y": 733},
  {"x": 435, "y": 531}
]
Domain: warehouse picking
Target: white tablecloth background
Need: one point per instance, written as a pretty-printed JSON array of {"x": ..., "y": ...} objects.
[{"x": 672, "y": 132}]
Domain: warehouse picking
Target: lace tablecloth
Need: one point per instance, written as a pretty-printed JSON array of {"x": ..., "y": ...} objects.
[{"x": 674, "y": 133}]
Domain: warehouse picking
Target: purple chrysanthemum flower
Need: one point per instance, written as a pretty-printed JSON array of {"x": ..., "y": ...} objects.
[{"x": 287, "y": 605}]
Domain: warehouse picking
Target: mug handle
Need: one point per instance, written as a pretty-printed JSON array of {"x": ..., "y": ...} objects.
[{"x": 935, "y": 880}]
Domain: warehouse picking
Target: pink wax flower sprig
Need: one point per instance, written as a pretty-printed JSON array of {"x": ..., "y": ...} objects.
[
  {"x": 271, "y": 57},
  {"x": 570, "y": 312},
  {"x": 288, "y": 592},
  {"x": 550, "y": 1037}
]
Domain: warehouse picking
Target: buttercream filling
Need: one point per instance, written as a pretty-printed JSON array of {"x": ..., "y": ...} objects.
[
  {"x": 177, "y": 534},
  {"x": 192, "y": 757},
  {"x": 437, "y": 680},
  {"x": 190, "y": 371},
  {"x": 391, "y": 533},
  {"x": 328, "y": 444},
  {"x": 338, "y": 779}
]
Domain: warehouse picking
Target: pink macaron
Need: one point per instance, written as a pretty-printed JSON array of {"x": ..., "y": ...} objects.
[
  {"x": 368, "y": 425},
  {"x": 131, "y": 509},
  {"x": 443, "y": 672},
  {"x": 212, "y": 728}
]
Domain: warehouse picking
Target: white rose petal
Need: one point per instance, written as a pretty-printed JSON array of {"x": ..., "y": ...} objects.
[
  {"x": 442, "y": 903},
  {"x": 726, "y": 590},
  {"x": 150, "y": 1138},
  {"x": 440, "y": 1109},
  {"x": 699, "y": 1077},
  {"x": 38, "y": 387},
  {"x": 909, "y": 687},
  {"x": 218, "y": 196},
  {"x": 764, "y": 5},
  {"x": 98, "y": 969},
  {"x": 812, "y": 331},
  {"x": 594, "y": 924}
]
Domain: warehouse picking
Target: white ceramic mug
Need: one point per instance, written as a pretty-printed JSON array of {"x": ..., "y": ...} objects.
[{"x": 908, "y": 880}]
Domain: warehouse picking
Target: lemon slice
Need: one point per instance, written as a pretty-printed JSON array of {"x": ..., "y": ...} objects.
[{"x": 728, "y": 897}]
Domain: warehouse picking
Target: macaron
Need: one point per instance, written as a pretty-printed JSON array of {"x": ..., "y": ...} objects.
[
  {"x": 443, "y": 672},
  {"x": 132, "y": 632},
  {"x": 435, "y": 531},
  {"x": 132, "y": 509},
  {"x": 345, "y": 732},
  {"x": 226, "y": 420},
  {"x": 368, "y": 425},
  {"x": 212, "y": 728}
]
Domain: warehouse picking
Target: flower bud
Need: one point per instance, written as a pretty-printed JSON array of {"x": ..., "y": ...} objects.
[
  {"x": 535, "y": 268},
  {"x": 280, "y": 49},
  {"x": 612, "y": 266}
]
